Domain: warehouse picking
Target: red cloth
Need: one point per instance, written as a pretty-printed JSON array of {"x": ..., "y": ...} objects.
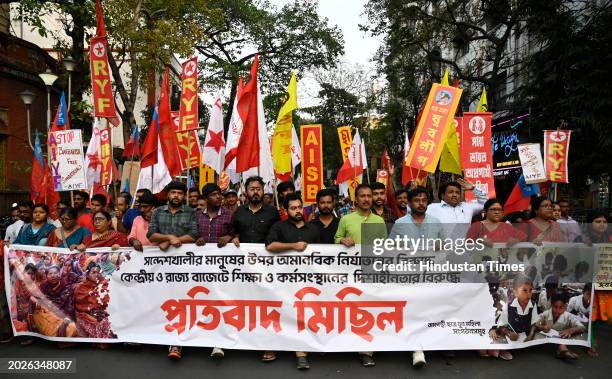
[
  {"x": 108, "y": 240},
  {"x": 86, "y": 221},
  {"x": 553, "y": 233},
  {"x": 167, "y": 132},
  {"x": 500, "y": 234},
  {"x": 248, "y": 145}
]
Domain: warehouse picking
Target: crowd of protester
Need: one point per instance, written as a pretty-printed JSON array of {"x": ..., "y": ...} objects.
[{"x": 211, "y": 216}]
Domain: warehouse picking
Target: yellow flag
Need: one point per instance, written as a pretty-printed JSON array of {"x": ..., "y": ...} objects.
[
  {"x": 450, "y": 160},
  {"x": 444, "y": 81},
  {"x": 207, "y": 175},
  {"x": 483, "y": 106},
  {"x": 281, "y": 140}
]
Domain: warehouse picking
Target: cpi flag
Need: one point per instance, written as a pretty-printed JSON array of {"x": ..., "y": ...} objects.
[
  {"x": 102, "y": 91},
  {"x": 476, "y": 153},
  {"x": 433, "y": 127},
  {"x": 556, "y": 149},
  {"x": 312, "y": 162}
]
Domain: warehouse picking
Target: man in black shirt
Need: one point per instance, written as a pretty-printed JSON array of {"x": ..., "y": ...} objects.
[
  {"x": 253, "y": 221},
  {"x": 326, "y": 221},
  {"x": 292, "y": 234}
]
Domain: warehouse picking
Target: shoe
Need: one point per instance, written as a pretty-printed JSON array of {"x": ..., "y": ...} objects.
[
  {"x": 174, "y": 352},
  {"x": 418, "y": 358},
  {"x": 505, "y": 355},
  {"x": 302, "y": 363},
  {"x": 367, "y": 361},
  {"x": 217, "y": 353},
  {"x": 268, "y": 356}
]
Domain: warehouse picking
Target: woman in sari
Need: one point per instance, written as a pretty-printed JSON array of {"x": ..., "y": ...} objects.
[
  {"x": 90, "y": 302},
  {"x": 37, "y": 232},
  {"x": 542, "y": 227},
  {"x": 54, "y": 309},
  {"x": 70, "y": 234},
  {"x": 103, "y": 235},
  {"x": 493, "y": 229}
]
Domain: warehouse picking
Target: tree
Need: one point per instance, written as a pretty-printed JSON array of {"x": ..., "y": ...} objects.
[{"x": 293, "y": 37}]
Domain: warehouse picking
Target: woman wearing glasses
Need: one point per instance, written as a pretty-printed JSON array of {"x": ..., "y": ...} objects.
[
  {"x": 542, "y": 227},
  {"x": 69, "y": 234},
  {"x": 493, "y": 229}
]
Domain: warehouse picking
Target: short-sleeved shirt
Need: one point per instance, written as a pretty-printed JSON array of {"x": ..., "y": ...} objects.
[
  {"x": 212, "y": 228},
  {"x": 139, "y": 230},
  {"x": 350, "y": 226},
  {"x": 515, "y": 308},
  {"x": 577, "y": 305},
  {"x": 326, "y": 233},
  {"x": 565, "y": 321},
  {"x": 181, "y": 223},
  {"x": 130, "y": 216},
  {"x": 429, "y": 228},
  {"x": 253, "y": 227},
  {"x": 287, "y": 232}
]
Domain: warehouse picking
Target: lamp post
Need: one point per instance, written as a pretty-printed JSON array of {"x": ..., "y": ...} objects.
[
  {"x": 69, "y": 64},
  {"x": 48, "y": 78},
  {"x": 28, "y": 98}
]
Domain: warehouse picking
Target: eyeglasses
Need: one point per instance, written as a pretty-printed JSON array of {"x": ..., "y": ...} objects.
[{"x": 495, "y": 209}]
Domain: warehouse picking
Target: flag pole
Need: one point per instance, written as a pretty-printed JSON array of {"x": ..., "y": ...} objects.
[{"x": 188, "y": 165}]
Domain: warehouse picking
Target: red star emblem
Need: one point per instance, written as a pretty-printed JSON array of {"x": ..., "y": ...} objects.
[{"x": 216, "y": 140}]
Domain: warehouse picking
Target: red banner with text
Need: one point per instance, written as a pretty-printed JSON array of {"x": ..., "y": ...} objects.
[
  {"x": 556, "y": 149},
  {"x": 312, "y": 162},
  {"x": 477, "y": 153}
]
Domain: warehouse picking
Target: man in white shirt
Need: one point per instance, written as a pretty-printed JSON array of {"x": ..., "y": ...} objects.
[
  {"x": 25, "y": 216},
  {"x": 456, "y": 215},
  {"x": 568, "y": 224}
]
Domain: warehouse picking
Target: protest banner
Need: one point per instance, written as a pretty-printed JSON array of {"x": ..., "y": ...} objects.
[
  {"x": 323, "y": 299},
  {"x": 433, "y": 127},
  {"x": 185, "y": 141},
  {"x": 476, "y": 153},
  {"x": 312, "y": 162},
  {"x": 556, "y": 149},
  {"x": 67, "y": 166},
  {"x": 531, "y": 162},
  {"x": 603, "y": 277},
  {"x": 106, "y": 156},
  {"x": 188, "y": 116}
]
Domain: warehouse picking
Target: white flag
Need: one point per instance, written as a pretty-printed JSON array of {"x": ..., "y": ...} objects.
[
  {"x": 296, "y": 149},
  {"x": 93, "y": 163},
  {"x": 233, "y": 133},
  {"x": 155, "y": 177},
  {"x": 266, "y": 166},
  {"x": 213, "y": 153}
]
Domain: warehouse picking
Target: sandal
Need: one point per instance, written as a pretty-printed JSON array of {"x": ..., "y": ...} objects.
[
  {"x": 174, "y": 352},
  {"x": 566, "y": 355},
  {"x": 505, "y": 355},
  {"x": 268, "y": 356}
]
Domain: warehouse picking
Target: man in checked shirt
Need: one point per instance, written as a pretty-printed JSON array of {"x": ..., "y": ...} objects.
[{"x": 215, "y": 226}]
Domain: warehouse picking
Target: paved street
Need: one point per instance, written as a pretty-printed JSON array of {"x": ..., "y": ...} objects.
[{"x": 150, "y": 362}]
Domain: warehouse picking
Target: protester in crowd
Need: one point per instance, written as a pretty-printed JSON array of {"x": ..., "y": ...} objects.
[
  {"x": 401, "y": 199},
  {"x": 541, "y": 227},
  {"x": 493, "y": 229},
  {"x": 98, "y": 202},
  {"x": 173, "y": 225},
  {"x": 201, "y": 204},
  {"x": 325, "y": 219},
  {"x": 516, "y": 318},
  {"x": 121, "y": 207},
  {"x": 138, "y": 234},
  {"x": 69, "y": 234},
  {"x": 268, "y": 198},
  {"x": 80, "y": 202},
  {"x": 379, "y": 203},
  {"x": 25, "y": 217},
  {"x": 349, "y": 234},
  {"x": 252, "y": 221},
  {"x": 61, "y": 205},
  {"x": 451, "y": 210},
  {"x": 36, "y": 232},
  {"x": 231, "y": 200},
  {"x": 194, "y": 193},
  {"x": 292, "y": 234},
  {"x": 90, "y": 303},
  {"x": 344, "y": 206},
  {"x": 557, "y": 318},
  {"x": 214, "y": 222},
  {"x": 417, "y": 223},
  {"x": 570, "y": 226},
  {"x": 14, "y": 213},
  {"x": 134, "y": 212},
  {"x": 103, "y": 235},
  {"x": 556, "y": 215},
  {"x": 282, "y": 190}
]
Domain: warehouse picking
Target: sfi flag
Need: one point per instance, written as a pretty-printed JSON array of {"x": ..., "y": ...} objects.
[{"x": 556, "y": 150}]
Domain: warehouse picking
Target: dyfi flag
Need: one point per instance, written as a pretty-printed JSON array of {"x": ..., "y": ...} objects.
[
  {"x": 132, "y": 149},
  {"x": 61, "y": 116},
  {"x": 281, "y": 140},
  {"x": 166, "y": 130},
  {"x": 450, "y": 158},
  {"x": 234, "y": 131},
  {"x": 248, "y": 145},
  {"x": 483, "y": 106},
  {"x": 214, "y": 144},
  {"x": 356, "y": 161}
]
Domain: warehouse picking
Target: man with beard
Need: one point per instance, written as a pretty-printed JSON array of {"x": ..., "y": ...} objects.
[
  {"x": 401, "y": 199},
  {"x": 326, "y": 220},
  {"x": 379, "y": 199},
  {"x": 349, "y": 234},
  {"x": 292, "y": 234},
  {"x": 252, "y": 221},
  {"x": 173, "y": 224},
  {"x": 138, "y": 235},
  {"x": 194, "y": 193},
  {"x": 231, "y": 200},
  {"x": 25, "y": 217},
  {"x": 80, "y": 202}
]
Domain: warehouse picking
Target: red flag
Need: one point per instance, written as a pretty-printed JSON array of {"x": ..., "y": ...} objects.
[
  {"x": 385, "y": 164},
  {"x": 149, "y": 147},
  {"x": 100, "y": 27},
  {"x": 248, "y": 145},
  {"x": 167, "y": 134},
  {"x": 517, "y": 201},
  {"x": 131, "y": 149}
]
